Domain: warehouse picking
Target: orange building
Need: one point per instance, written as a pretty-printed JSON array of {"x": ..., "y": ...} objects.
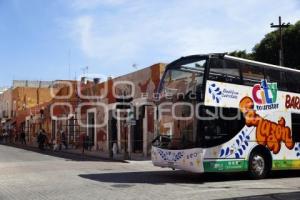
[
  {"x": 92, "y": 108},
  {"x": 88, "y": 108},
  {"x": 106, "y": 126},
  {"x": 39, "y": 115},
  {"x": 29, "y": 98}
]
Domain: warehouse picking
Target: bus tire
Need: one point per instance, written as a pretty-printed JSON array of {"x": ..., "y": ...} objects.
[{"x": 259, "y": 164}]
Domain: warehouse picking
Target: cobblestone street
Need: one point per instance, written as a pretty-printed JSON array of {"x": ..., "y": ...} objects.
[{"x": 31, "y": 175}]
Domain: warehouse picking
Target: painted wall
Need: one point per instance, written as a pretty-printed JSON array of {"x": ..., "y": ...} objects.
[{"x": 145, "y": 82}]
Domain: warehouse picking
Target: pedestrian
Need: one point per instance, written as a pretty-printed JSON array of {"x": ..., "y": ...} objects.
[
  {"x": 58, "y": 140},
  {"x": 5, "y": 136},
  {"x": 9, "y": 136},
  {"x": 82, "y": 141},
  {"x": 55, "y": 144},
  {"x": 23, "y": 137},
  {"x": 16, "y": 136},
  {"x": 41, "y": 139},
  {"x": 44, "y": 138},
  {"x": 87, "y": 144},
  {"x": 64, "y": 139}
]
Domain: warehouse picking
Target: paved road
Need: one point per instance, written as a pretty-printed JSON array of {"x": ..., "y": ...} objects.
[{"x": 27, "y": 175}]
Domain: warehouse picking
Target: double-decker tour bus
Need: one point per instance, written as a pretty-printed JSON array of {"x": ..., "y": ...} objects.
[{"x": 219, "y": 113}]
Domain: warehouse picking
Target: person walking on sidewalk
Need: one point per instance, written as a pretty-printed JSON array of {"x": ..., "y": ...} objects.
[
  {"x": 87, "y": 143},
  {"x": 56, "y": 143},
  {"x": 5, "y": 136},
  {"x": 15, "y": 136},
  {"x": 58, "y": 140},
  {"x": 64, "y": 139},
  {"x": 23, "y": 137},
  {"x": 41, "y": 139},
  {"x": 82, "y": 141}
]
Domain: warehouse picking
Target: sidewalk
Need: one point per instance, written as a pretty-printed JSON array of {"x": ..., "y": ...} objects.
[
  {"x": 86, "y": 154},
  {"x": 120, "y": 157}
]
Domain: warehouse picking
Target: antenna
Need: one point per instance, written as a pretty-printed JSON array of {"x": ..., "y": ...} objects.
[
  {"x": 134, "y": 65},
  {"x": 85, "y": 70},
  {"x": 69, "y": 63}
]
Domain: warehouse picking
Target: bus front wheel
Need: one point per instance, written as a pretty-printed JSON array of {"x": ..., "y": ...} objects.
[{"x": 258, "y": 165}]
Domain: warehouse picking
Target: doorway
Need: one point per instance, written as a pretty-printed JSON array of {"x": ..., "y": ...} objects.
[
  {"x": 91, "y": 128},
  {"x": 138, "y": 133}
]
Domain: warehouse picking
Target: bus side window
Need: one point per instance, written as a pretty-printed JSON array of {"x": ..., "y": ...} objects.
[
  {"x": 296, "y": 127},
  {"x": 225, "y": 71},
  {"x": 293, "y": 81},
  {"x": 277, "y": 76},
  {"x": 252, "y": 74}
]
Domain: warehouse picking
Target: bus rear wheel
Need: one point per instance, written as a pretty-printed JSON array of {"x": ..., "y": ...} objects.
[{"x": 258, "y": 166}]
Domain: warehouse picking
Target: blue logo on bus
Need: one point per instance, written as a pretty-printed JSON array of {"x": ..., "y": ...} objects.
[
  {"x": 170, "y": 156},
  {"x": 215, "y": 92}
]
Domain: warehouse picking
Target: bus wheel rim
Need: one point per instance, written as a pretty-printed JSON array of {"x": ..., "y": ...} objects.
[{"x": 258, "y": 164}]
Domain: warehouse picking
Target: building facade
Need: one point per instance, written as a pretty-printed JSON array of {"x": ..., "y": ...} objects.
[
  {"x": 90, "y": 109},
  {"x": 124, "y": 130},
  {"x": 5, "y": 108}
]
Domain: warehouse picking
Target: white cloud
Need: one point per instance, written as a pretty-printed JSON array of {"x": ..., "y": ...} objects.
[
  {"x": 83, "y": 31},
  {"x": 98, "y": 43},
  {"x": 144, "y": 30},
  {"x": 93, "y": 4}
]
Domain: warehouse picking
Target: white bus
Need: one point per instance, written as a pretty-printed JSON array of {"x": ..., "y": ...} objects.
[{"x": 219, "y": 113}]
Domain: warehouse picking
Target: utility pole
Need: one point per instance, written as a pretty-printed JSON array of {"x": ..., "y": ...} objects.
[{"x": 280, "y": 27}]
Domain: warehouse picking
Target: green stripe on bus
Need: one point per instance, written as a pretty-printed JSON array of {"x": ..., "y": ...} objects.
[
  {"x": 286, "y": 164},
  {"x": 226, "y": 165},
  {"x": 242, "y": 165}
]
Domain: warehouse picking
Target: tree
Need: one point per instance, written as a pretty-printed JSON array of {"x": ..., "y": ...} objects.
[
  {"x": 267, "y": 50},
  {"x": 241, "y": 54}
]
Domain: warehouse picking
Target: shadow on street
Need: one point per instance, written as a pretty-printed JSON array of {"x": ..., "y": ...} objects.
[{"x": 178, "y": 176}]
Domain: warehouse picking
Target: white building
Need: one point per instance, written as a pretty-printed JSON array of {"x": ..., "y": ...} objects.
[{"x": 6, "y": 104}]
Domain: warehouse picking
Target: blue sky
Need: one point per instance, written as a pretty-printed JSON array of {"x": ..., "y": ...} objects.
[{"x": 40, "y": 38}]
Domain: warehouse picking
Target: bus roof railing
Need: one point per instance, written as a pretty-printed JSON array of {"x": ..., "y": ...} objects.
[{"x": 259, "y": 63}]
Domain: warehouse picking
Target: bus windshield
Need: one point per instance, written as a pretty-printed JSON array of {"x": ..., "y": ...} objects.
[
  {"x": 181, "y": 86},
  {"x": 183, "y": 80}
]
